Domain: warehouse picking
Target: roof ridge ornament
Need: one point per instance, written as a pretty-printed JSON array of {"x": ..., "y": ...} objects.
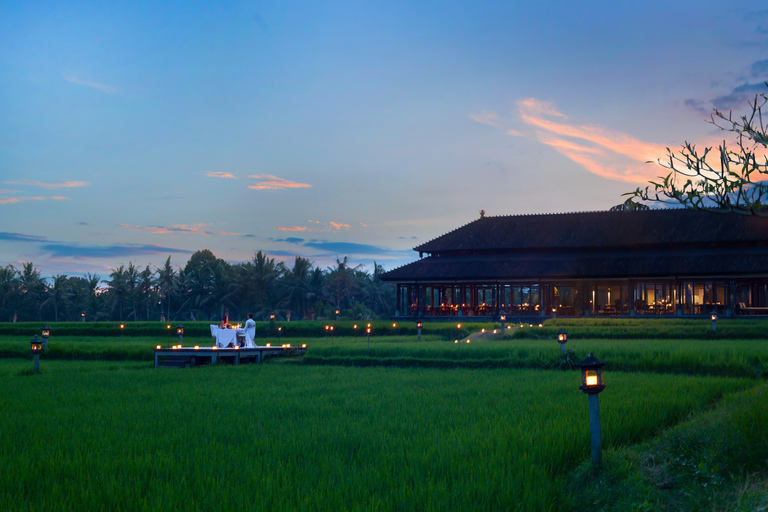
[{"x": 482, "y": 214}]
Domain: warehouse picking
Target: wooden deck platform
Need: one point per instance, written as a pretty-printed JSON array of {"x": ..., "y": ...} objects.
[{"x": 184, "y": 357}]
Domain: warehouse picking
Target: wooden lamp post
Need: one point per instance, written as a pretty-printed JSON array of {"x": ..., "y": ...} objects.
[
  {"x": 592, "y": 384},
  {"x": 180, "y": 332},
  {"x": 419, "y": 325},
  {"x": 714, "y": 320}
]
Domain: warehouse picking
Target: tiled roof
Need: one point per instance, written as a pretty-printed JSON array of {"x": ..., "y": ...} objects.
[
  {"x": 722, "y": 261},
  {"x": 600, "y": 230}
]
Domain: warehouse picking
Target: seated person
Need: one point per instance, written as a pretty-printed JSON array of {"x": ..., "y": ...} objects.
[{"x": 250, "y": 331}]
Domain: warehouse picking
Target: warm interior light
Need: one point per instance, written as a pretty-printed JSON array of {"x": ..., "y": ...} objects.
[{"x": 591, "y": 378}]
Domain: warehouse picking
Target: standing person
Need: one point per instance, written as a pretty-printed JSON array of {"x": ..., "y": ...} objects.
[{"x": 250, "y": 331}]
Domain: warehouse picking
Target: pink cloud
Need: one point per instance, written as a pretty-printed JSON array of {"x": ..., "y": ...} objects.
[
  {"x": 194, "y": 229},
  {"x": 338, "y": 226},
  {"x": 270, "y": 182},
  {"x": 216, "y": 174},
  {"x": 12, "y": 200},
  {"x": 61, "y": 184},
  {"x": 292, "y": 228},
  {"x": 607, "y": 153}
]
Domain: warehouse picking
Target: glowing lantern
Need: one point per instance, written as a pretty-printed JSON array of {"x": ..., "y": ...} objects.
[
  {"x": 562, "y": 339},
  {"x": 592, "y": 385},
  {"x": 46, "y": 331},
  {"x": 180, "y": 332},
  {"x": 714, "y": 320},
  {"x": 36, "y": 348},
  {"x": 591, "y": 375},
  {"x": 419, "y": 325}
]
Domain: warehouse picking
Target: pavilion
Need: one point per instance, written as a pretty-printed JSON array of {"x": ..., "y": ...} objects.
[{"x": 649, "y": 262}]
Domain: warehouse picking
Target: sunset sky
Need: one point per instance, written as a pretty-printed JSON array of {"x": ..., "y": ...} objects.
[{"x": 131, "y": 131}]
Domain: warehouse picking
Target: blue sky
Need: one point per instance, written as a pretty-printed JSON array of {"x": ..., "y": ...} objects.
[{"x": 131, "y": 131}]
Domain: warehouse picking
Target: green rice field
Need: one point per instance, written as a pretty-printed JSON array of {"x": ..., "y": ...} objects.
[
  {"x": 123, "y": 436},
  {"x": 494, "y": 424}
]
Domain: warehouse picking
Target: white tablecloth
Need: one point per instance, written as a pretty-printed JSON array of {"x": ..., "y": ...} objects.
[{"x": 226, "y": 336}]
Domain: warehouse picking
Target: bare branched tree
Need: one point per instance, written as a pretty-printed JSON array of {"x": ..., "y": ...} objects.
[{"x": 729, "y": 179}]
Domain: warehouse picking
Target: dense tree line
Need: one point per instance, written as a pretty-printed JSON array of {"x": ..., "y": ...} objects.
[{"x": 202, "y": 290}]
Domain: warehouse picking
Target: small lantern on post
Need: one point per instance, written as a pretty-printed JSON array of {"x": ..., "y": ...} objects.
[
  {"x": 354, "y": 328},
  {"x": 369, "y": 339},
  {"x": 122, "y": 327},
  {"x": 554, "y": 312},
  {"x": 36, "y": 348},
  {"x": 46, "y": 331},
  {"x": 82, "y": 316},
  {"x": 419, "y": 325},
  {"x": 714, "y": 320},
  {"x": 592, "y": 384},
  {"x": 562, "y": 339},
  {"x": 180, "y": 332},
  {"x": 394, "y": 329},
  {"x": 502, "y": 319},
  {"x": 338, "y": 312}
]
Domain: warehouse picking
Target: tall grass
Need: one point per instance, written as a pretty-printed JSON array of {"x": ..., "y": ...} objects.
[{"x": 121, "y": 436}]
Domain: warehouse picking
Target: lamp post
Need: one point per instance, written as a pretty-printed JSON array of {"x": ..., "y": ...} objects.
[
  {"x": 562, "y": 339},
  {"x": 554, "y": 312},
  {"x": 394, "y": 329},
  {"x": 36, "y": 347},
  {"x": 592, "y": 385},
  {"x": 46, "y": 331},
  {"x": 331, "y": 334},
  {"x": 338, "y": 312},
  {"x": 82, "y": 316},
  {"x": 503, "y": 319},
  {"x": 714, "y": 320},
  {"x": 180, "y": 332},
  {"x": 354, "y": 328},
  {"x": 122, "y": 327},
  {"x": 418, "y": 328},
  {"x": 369, "y": 339}
]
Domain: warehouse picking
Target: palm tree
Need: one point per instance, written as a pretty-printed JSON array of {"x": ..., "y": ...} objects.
[
  {"x": 32, "y": 288},
  {"x": 167, "y": 281},
  {"x": 295, "y": 284},
  {"x": 58, "y": 295},
  {"x": 9, "y": 286},
  {"x": 118, "y": 288}
]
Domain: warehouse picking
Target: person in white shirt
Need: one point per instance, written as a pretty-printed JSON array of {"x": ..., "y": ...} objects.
[{"x": 250, "y": 331}]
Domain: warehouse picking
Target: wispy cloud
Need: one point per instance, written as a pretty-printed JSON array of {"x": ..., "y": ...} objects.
[
  {"x": 346, "y": 247},
  {"x": 94, "y": 85},
  {"x": 41, "y": 184},
  {"x": 269, "y": 182},
  {"x": 290, "y": 240},
  {"x": 194, "y": 229},
  {"x": 338, "y": 226},
  {"x": 13, "y": 200},
  {"x": 19, "y": 237},
  {"x": 107, "y": 251},
  {"x": 489, "y": 118},
  {"x": 60, "y": 198},
  {"x": 293, "y": 228},
  {"x": 329, "y": 226},
  {"x": 217, "y": 174},
  {"x": 607, "y": 153}
]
